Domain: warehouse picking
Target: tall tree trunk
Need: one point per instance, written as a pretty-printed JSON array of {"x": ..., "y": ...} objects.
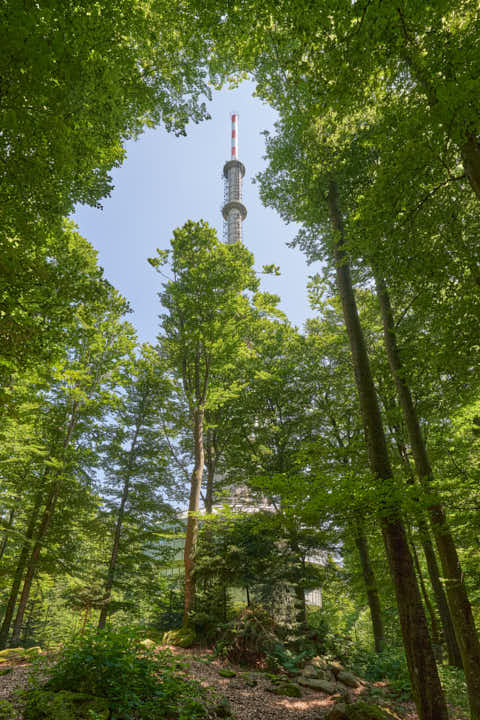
[
  {"x": 33, "y": 562},
  {"x": 426, "y": 686},
  {"x": 371, "y": 588},
  {"x": 117, "y": 534},
  {"x": 453, "y": 651},
  {"x": 460, "y": 608},
  {"x": 17, "y": 578},
  {"x": 471, "y": 163},
  {"x": 211, "y": 463},
  {"x": 193, "y": 507},
  {"x": 114, "y": 556},
  {"x": 7, "y": 528},
  {"x": 426, "y": 598}
]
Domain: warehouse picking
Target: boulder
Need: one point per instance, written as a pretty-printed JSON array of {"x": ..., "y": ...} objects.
[
  {"x": 310, "y": 671},
  {"x": 12, "y": 653},
  {"x": 335, "y": 667},
  {"x": 34, "y": 651},
  {"x": 183, "y": 637},
  {"x": 358, "y": 711},
  {"x": 347, "y": 678},
  {"x": 288, "y": 689},
  {"x": 317, "y": 684},
  {"x": 320, "y": 662},
  {"x": 65, "y": 705}
]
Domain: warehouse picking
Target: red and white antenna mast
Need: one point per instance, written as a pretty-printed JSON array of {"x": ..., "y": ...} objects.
[{"x": 234, "y": 211}]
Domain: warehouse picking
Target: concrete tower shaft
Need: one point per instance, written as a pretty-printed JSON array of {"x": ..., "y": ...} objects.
[{"x": 233, "y": 210}]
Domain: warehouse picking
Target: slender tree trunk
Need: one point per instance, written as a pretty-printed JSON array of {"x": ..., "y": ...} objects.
[
  {"x": 371, "y": 588},
  {"x": 426, "y": 686},
  {"x": 114, "y": 556},
  {"x": 33, "y": 562},
  {"x": 17, "y": 578},
  {"x": 85, "y": 619},
  {"x": 7, "y": 528},
  {"x": 453, "y": 651},
  {"x": 460, "y": 608},
  {"x": 211, "y": 467},
  {"x": 426, "y": 598},
  {"x": 117, "y": 534},
  {"x": 193, "y": 507}
]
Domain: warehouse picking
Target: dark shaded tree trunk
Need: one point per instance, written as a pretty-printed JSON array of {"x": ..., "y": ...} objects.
[
  {"x": 459, "y": 604},
  {"x": 33, "y": 562},
  {"x": 426, "y": 686},
  {"x": 20, "y": 569},
  {"x": 193, "y": 507},
  {"x": 371, "y": 588}
]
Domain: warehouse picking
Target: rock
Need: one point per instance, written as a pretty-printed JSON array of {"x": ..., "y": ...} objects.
[
  {"x": 359, "y": 711},
  {"x": 183, "y": 637},
  {"x": 34, "y": 651},
  {"x": 347, "y": 678},
  {"x": 7, "y": 711},
  {"x": 223, "y": 709},
  {"x": 317, "y": 684},
  {"x": 310, "y": 671},
  {"x": 288, "y": 689},
  {"x": 65, "y": 705},
  {"x": 226, "y": 673},
  {"x": 12, "y": 652},
  {"x": 320, "y": 662},
  {"x": 335, "y": 667}
]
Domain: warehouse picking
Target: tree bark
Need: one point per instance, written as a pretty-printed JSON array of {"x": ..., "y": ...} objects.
[
  {"x": 17, "y": 579},
  {"x": 193, "y": 508},
  {"x": 211, "y": 458},
  {"x": 453, "y": 651},
  {"x": 426, "y": 598},
  {"x": 460, "y": 608},
  {"x": 117, "y": 534},
  {"x": 471, "y": 163},
  {"x": 426, "y": 686},
  {"x": 371, "y": 588},
  {"x": 33, "y": 562}
]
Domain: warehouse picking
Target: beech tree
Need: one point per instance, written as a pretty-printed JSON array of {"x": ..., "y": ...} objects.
[{"x": 204, "y": 328}]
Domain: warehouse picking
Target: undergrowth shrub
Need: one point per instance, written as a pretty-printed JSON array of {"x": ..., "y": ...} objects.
[{"x": 137, "y": 681}]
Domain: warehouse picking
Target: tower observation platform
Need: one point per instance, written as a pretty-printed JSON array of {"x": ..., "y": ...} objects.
[{"x": 234, "y": 211}]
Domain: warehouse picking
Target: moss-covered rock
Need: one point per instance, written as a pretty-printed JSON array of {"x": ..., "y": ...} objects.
[
  {"x": 288, "y": 689},
  {"x": 183, "y": 637},
  {"x": 10, "y": 653},
  {"x": 226, "y": 673},
  {"x": 64, "y": 705},
  {"x": 359, "y": 711},
  {"x": 33, "y": 652},
  {"x": 7, "y": 711}
]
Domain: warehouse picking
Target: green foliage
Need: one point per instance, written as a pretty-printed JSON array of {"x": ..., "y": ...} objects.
[
  {"x": 135, "y": 681},
  {"x": 7, "y": 711}
]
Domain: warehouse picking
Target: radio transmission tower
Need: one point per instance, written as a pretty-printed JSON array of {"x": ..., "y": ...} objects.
[{"x": 234, "y": 211}]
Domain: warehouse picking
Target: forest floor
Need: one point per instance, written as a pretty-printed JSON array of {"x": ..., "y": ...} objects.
[
  {"x": 246, "y": 702},
  {"x": 259, "y": 702}
]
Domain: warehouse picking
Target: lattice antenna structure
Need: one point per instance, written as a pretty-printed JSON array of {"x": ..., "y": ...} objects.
[{"x": 234, "y": 211}]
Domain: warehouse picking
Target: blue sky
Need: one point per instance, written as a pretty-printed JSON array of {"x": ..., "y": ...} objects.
[{"x": 165, "y": 181}]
